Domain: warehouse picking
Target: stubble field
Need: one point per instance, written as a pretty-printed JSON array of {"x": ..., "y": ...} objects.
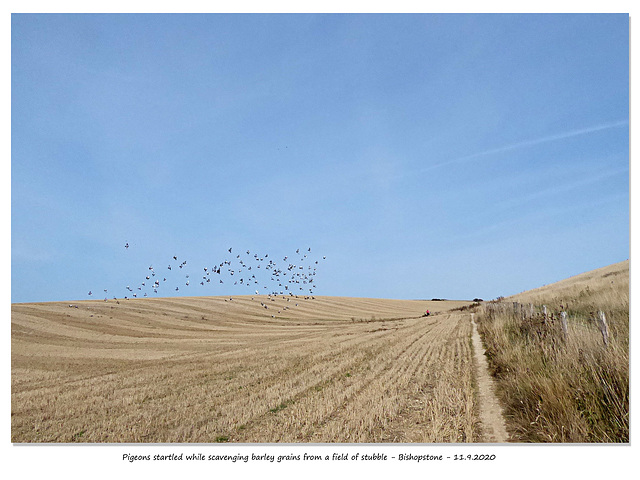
[{"x": 216, "y": 369}]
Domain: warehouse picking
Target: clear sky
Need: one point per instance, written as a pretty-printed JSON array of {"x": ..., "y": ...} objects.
[{"x": 449, "y": 156}]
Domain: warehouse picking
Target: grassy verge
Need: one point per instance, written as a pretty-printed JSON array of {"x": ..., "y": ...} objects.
[{"x": 557, "y": 387}]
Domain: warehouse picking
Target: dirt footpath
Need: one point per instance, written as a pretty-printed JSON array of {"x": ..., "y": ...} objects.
[{"x": 490, "y": 410}]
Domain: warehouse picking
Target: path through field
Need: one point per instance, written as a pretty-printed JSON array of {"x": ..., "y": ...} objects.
[
  {"x": 214, "y": 369},
  {"x": 490, "y": 410}
]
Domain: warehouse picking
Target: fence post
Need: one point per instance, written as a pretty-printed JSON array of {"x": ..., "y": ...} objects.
[
  {"x": 604, "y": 329},
  {"x": 563, "y": 316},
  {"x": 544, "y": 313}
]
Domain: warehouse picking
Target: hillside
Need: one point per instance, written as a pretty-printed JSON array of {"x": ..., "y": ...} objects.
[
  {"x": 267, "y": 369},
  {"x": 594, "y": 284},
  {"x": 563, "y": 376}
]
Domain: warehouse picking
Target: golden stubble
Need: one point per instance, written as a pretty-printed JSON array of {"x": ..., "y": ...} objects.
[{"x": 216, "y": 369}]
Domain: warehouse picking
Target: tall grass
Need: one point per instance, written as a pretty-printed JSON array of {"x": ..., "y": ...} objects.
[{"x": 564, "y": 389}]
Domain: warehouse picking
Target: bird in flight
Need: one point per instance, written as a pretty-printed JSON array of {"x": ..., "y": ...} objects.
[{"x": 297, "y": 273}]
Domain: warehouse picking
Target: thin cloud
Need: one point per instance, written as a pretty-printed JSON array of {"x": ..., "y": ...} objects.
[
  {"x": 564, "y": 187},
  {"x": 530, "y": 143},
  {"x": 515, "y": 225}
]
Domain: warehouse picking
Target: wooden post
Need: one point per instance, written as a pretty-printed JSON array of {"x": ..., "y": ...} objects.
[
  {"x": 531, "y": 310},
  {"x": 544, "y": 313},
  {"x": 563, "y": 316},
  {"x": 604, "y": 329}
]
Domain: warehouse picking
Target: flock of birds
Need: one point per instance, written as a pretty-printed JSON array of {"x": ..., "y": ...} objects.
[{"x": 291, "y": 276}]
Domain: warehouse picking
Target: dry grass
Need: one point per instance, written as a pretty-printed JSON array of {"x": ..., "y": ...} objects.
[
  {"x": 564, "y": 390},
  {"x": 219, "y": 370}
]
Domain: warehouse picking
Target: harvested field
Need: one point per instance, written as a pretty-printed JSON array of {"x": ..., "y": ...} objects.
[{"x": 216, "y": 369}]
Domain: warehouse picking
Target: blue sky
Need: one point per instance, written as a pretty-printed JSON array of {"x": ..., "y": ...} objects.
[{"x": 449, "y": 156}]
